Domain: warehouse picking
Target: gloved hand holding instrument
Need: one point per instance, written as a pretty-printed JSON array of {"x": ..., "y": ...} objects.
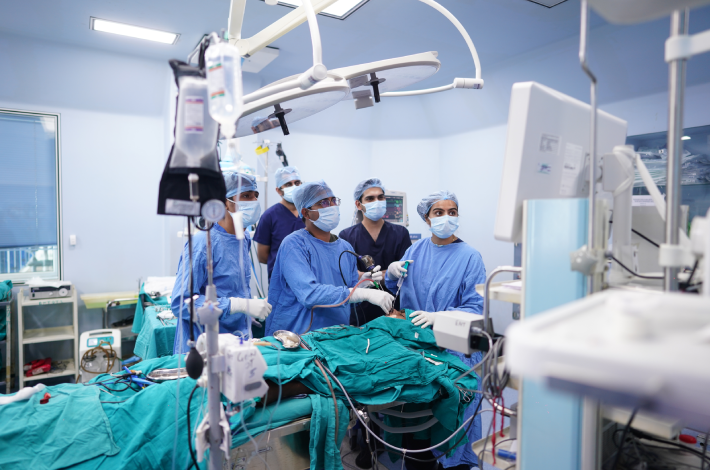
[
  {"x": 255, "y": 308},
  {"x": 376, "y": 297}
]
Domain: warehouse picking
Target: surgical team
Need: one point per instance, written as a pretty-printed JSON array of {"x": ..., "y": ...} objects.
[{"x": 312, "y": 284}]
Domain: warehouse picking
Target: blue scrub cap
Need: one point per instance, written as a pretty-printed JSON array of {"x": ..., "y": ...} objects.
[
  {"x": 231, "y": 179},
  {"x": 367, "y": 184},
  {"x": 309, "y": 193},
  {"x": 443, "y": 195},
  {"x": 285, "y": 174}
]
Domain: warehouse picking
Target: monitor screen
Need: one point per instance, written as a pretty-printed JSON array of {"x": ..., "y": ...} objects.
[{"x": 395, "y": 209}]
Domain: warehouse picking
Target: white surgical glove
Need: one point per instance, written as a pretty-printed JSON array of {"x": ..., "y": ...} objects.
[
  {"x": 375, "y": 297},
  {"x": 255, "y": 308},
  {"x": 374, "y": 275},
  {"x": 423, "y": 318},
  {"x": 396, "y": 269}
]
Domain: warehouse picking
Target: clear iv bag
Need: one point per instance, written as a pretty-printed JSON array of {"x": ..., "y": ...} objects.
[
  {"x": 195, "y": 130},
  {"x": 224, "y": 81}
]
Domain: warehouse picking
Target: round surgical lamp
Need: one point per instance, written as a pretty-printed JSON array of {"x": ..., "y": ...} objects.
[
  {"x": 368, "y": 81},
  {"x": 278, "y": 107}
]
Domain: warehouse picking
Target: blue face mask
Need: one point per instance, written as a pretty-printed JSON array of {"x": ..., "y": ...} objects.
[
  {"x": 444, "y": 226},
  {"x": 375, "y": 210},
  {"x": 251, "y": 211},
  {"x": 328, "y": 218},
  {"x": 288, "y": 193}
]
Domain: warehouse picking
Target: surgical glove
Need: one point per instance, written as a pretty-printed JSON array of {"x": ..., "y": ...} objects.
[
  {"x": 423, "y": 318},
  {"x": 397, "y": 269},
  {"x": 374, "y": 275},
  {"x": 255, "y": 308},
  {"x": 375, "y": 297}
]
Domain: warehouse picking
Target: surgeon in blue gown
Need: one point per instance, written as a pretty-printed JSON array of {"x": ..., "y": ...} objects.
[
  {"x": 307, "y": 274},
  {"x": 230, "y": 259},
  {"x": 442, "y": 276}
]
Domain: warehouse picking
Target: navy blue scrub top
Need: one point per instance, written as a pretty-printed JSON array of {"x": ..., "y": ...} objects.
[
  {"x": 275, "y": 224},
  {"x": 390, "y": 246}
]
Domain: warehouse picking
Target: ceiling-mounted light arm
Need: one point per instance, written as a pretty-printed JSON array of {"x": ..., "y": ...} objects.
[
  {"x": 236, "y": 18},
  {"x": 250, "y": 46},
  {"x": 470, "y": 83},
  {"x": 319, "y": 71}
]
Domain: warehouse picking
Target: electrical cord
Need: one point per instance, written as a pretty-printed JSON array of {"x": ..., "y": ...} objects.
[
  {"x": 643, "y": 435},
  {"x": 341, "y": 267},
  {"x": 475, "y": 413},
  {"x": 642, "y": 236},
  {"x": 657, "y": 278},
  {"x": 617, "y": 459},
  {"x": 310, "y": 324},
  {"x": 406, "y": 451},
  {"x": 189, "y": 438},
  {"x": 687, "y": 284}
]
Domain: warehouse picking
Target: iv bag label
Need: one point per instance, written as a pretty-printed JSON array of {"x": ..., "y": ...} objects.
[
  {"x": 215, "y": 81},
  {"x": 180, "y": 207},
  {"x": 571, "y": 168},
  {"x": 194, "y": 114}
]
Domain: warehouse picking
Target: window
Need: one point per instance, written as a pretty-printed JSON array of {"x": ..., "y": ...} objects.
[
  {"x": 695, "y": 173},
  {"x": 30, "y": 223}
]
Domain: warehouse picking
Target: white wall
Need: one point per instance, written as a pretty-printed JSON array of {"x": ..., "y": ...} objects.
[{"x": 113, "y": 112}]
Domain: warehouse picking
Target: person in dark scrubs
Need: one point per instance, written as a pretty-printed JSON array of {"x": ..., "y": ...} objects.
[
  {"x": 386, "y": 243},
  {"x": 279, "y": 220},
  {"x": 374, "y": 236}
]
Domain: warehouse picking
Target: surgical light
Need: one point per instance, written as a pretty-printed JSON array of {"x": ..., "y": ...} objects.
[
  {"x": 340, "y": 9},
  {"x": 123, "y": 29}
]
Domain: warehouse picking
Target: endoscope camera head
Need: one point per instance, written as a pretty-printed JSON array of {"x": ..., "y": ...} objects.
[{"x": 366, "y": 263}]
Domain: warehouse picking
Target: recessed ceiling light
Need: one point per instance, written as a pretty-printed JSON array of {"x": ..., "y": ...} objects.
[
  {"x": 340, "y": 9},
  {"x": 548, "y": 3},
  {"x": 685, "y": 137},
  {"x": 123, "y": 29}
]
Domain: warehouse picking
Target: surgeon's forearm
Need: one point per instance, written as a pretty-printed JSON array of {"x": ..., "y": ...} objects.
[{"x": 324, "y": 294}]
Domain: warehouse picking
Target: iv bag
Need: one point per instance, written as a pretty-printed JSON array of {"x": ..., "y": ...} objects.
[
  {"x": 195, "y": 130},
  {"x": 194, "y": 150},
  {"x": 224, "y": 83}
]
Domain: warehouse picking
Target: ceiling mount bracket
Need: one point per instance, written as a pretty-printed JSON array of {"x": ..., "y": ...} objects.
[{"x": 280, "y": 114}]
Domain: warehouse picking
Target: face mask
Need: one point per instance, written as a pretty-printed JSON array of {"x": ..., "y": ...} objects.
[
  {"x": 251, "y": 211},
  {"x": 288, "y": 193},
  {"x": 375, "y": 210},
  {"x": 328, "y": 218},
  {"x": 444, "y": 226}
]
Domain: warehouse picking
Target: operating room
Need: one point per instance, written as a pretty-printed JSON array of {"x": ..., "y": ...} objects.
[{"x": 550, "y": 355}]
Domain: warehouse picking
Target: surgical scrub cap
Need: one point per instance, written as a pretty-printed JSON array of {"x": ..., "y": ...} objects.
[
  {"x": 309, "y": 193},
  {"x": 443, "y": 195},
  {"x": 367, "y": 184},
  {"x": 231, "y": 179},
  {"x": 285, "y": 174}
]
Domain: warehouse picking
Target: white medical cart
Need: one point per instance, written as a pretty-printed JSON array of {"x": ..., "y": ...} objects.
[{"x": 45, "y": 335}]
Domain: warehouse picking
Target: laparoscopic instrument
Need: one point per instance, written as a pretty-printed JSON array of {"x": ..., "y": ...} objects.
[
  {"x": 365, "y": 264},
  {"x": 401, "y": 280}
]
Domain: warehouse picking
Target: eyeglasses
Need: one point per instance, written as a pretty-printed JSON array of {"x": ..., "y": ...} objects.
[{"x": 323, "y": 203}]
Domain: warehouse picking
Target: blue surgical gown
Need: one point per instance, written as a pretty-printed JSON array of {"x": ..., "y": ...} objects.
[
  {"x": 444, "y": 278},
  {"x": 229, "y": 279},
  {"x": 306, "y": 274}
]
